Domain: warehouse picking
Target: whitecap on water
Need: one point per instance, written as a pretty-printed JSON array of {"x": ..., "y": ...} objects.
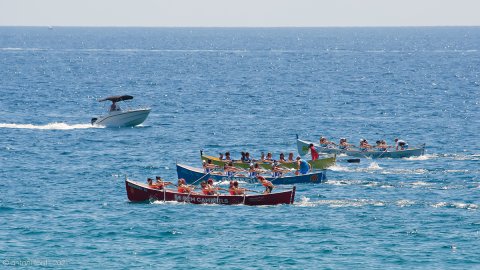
[
  {"x": 423, "y": 157},
  {"x": 374, "y": 166},
  {"x": 49, "y": 126}
]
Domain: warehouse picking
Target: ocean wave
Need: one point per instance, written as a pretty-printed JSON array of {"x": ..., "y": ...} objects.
[
  {"x": 459, "y": 205},
  {"x": 423, "y": 157},
  {"x": 306, "y": 202},
  {"x": 49, "y": 126}
]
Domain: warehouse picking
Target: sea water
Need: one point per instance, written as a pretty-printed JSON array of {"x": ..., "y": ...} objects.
[{"x": 63, "y": 201}]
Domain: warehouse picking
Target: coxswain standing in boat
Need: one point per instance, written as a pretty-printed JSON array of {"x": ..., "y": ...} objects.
[
  {"x": 303, "y": 166},
  {"x": 313, "y": 151},
  {"x": 183, "y": 187},
  {"x": 400, "y": 144},
  {"x": 267, "y": 184}
]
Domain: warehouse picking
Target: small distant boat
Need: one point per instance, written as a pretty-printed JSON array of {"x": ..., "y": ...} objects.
[
  {"x": 192, "y": 174},
  {"x": 138, "y": 192},
  {"x": 303, "y": 149},
  {"x": 116, "y": 117},
  {"x": 319, "y": 164}
]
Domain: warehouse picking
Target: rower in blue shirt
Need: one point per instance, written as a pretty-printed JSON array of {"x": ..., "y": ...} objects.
[{"x": 303, "y": 166}]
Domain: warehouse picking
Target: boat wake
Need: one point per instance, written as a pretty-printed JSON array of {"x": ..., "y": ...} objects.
[
  {"x": 49, "y": 126},
  {"x": 423, "y": 157},
  {"x": 307, "y": 202}
]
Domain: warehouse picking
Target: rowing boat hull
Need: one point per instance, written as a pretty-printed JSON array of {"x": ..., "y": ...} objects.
[
  {"x": 411, "y": 152},
  {"x": 138, "y": 192},
  {"x": 319, "y": 164},
  {"x": 193, "y": 175}
]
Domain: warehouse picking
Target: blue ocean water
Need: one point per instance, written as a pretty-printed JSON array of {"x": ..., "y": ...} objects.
[{"x": 63, "y": 201}]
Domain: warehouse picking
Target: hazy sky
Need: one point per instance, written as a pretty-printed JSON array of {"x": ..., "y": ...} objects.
[{"x": 240, "y": 12}]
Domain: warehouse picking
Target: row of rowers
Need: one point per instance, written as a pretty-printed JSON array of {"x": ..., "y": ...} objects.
[
  {"x": 303, "y": 167},
  {"x": 208, "y": 187},
  {"x": 246, "y": 158}
]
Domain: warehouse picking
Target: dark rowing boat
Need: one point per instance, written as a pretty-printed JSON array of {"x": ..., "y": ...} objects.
[
  {"x": 192, "y": 174},
  {"x": 139, "y": 192}
]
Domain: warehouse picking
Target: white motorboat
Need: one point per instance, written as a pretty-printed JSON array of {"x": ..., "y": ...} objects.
[{"x": 116, "y": 117}]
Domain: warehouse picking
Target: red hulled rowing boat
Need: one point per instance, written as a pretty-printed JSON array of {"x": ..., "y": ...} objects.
[{"x": 139, "y": 192}]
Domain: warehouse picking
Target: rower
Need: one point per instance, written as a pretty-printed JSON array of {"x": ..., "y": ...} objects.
[
  {"x": 268, "y": 158},
  {"x": 248, "y": 159},
  {"x": 364, "y": 145},
  {"x": 400, "y": 144},
  {"x": 211, "y": 187},
  {"x": 205, "y": 189},
  {"x": 183, "y": 187},
  {"x": 303, "y": 166},
  {"x": 343, "y": 144},
  {"x": 231, "y": 189},
  {"x": 267, "y": 184},
  {"x": 290, "y": 157},
  {"x": 238, "y": 191},
  {"x": 160, "y": 183},
  {"x": 324, "y": 142},
  {"x": 381, "y": 145},
  {"x": 208, "y": 166},
  {"x": 276, "y": 170}
]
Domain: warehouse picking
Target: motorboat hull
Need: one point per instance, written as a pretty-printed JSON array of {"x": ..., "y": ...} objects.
[{"x": 122, "y": 118}]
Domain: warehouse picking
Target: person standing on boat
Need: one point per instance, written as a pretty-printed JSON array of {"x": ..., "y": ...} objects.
[
  {"x": 267, "y": 184},
  {"x": 400, "y": 144},
  {"x": 114, "y": 107},
  {"x": 313, "y": 151},
  {"x": 303, "y": 166}
]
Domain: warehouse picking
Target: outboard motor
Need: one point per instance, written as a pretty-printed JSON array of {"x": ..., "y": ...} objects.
[{"x": 94, "y": 120}]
